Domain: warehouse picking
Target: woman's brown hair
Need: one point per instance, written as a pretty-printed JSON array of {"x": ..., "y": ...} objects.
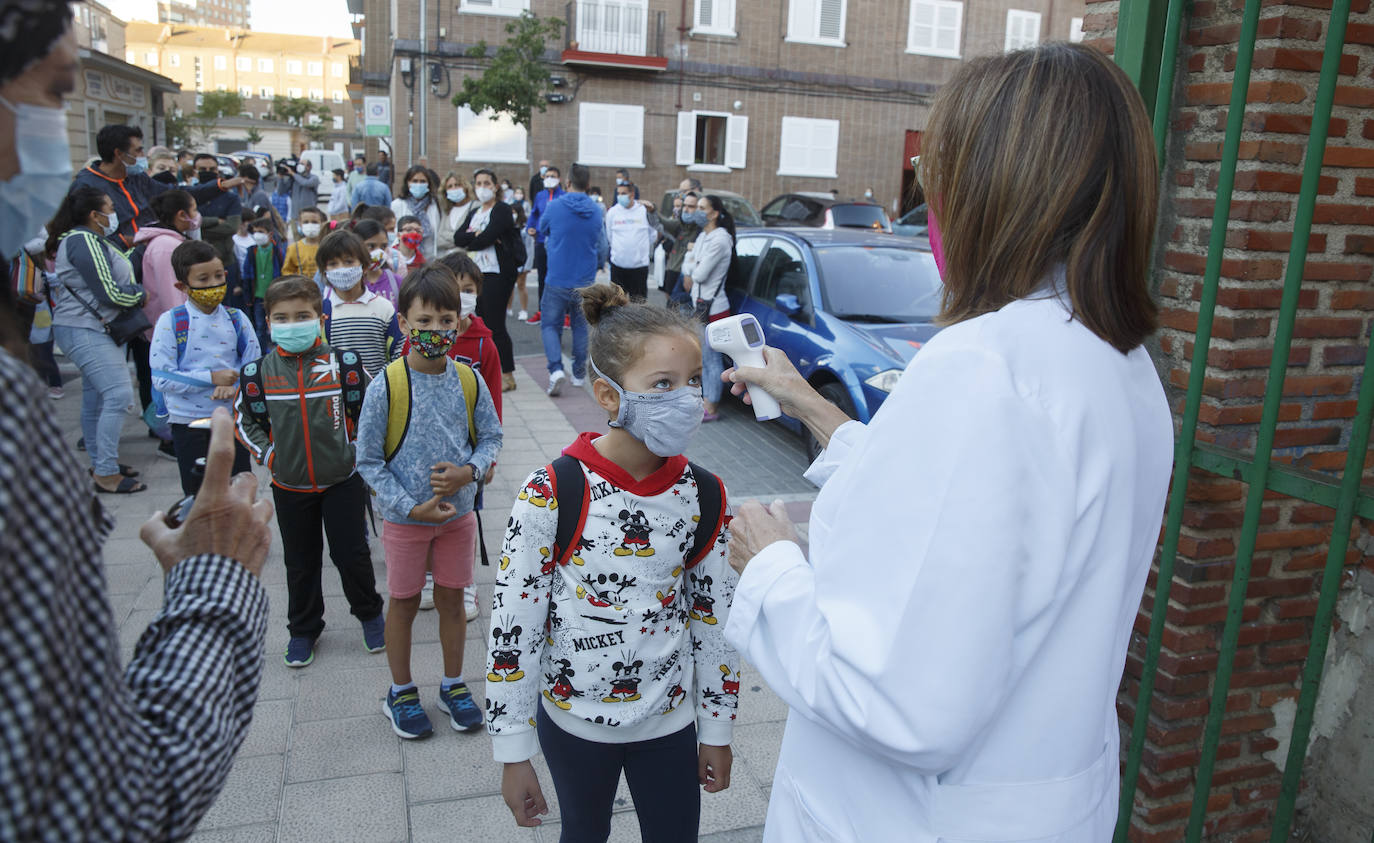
[{"x": 1040, "y": 158}]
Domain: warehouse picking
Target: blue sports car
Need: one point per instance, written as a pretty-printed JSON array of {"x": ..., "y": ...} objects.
[{"x": 850, "y": 308}]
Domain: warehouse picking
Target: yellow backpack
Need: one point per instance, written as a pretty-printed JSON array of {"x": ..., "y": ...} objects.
[{"x": 397, "y": 374}]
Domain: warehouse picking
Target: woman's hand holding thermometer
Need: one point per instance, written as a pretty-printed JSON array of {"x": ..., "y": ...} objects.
[{"x": 741, "y": 337}]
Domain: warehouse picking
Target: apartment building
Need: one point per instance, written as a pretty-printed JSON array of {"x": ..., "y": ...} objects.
[
  {"x": 762, "y": 98},
  {"x": 108, "y": 89},
  {"x": 258, "y": 65},
  {"x": 232, "y": 14}
]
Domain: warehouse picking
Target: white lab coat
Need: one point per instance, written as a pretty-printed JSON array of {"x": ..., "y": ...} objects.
[{"x": 952, "y": 648}]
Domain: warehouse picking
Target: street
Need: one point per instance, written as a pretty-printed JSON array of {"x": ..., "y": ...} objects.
[{"x": 320, "y": 763}]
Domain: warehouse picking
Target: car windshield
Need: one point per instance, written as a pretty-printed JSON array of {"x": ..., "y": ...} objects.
[
  {"x": 859, "y": 216},
  {"x": 879, "y": 283},
  {"x": 742, "y": 211}
]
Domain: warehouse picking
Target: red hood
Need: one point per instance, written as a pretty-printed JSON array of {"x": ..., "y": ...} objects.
[
  {"x": 655, "y": 484},
  {"x": 476, "y": 330},
  {"x": 152, "y": 232}
]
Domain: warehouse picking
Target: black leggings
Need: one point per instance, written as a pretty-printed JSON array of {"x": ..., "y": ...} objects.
[
  {"x": 541, "y": 268},
  {"x": 491, "y": 306},
  {"x": 661, "y": 773}
]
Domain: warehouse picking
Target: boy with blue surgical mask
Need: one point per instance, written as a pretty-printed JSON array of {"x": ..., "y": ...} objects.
[
  {"x": 631, "y": 235},
  {"x": 297, "y": 413}
]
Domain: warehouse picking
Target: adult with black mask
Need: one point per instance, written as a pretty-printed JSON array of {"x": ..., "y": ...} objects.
[
  {"x": 121, "y": 174},
  {"x": 220, "y": 219}
]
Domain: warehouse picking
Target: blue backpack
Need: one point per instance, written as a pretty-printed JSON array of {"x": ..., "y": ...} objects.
[{"x": 157, "y": 415}]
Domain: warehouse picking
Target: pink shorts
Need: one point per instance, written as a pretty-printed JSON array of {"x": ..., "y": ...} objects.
[{"x": 407, "y": 548}]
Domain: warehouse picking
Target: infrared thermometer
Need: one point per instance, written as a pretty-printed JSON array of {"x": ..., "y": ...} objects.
[{"x": 741, "y": 337}]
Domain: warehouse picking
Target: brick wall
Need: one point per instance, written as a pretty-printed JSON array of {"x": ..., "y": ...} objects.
[{"x": 1319, "y": 392}]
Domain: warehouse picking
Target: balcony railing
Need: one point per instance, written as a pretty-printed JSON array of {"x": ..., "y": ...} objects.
[{"x": 614, "y": 32}]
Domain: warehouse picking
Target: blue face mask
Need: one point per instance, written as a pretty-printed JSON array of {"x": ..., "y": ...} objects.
[
  {"x": 419, "y": 189},
  {"x": 697, "y": 218},
  {"x": 295, "y": 337},
  {"x": 623, "y": 200},
  {"x": 140, "y": 165},
  {"x": 32, "y": 195},
  {"x": 664, "y": 421}
]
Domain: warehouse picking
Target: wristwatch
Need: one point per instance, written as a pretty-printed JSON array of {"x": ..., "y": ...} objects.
[{"x": 475, "y": 475}]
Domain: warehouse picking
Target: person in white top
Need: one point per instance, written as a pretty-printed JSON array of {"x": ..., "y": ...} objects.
[
  {"x": 951, "y": 649},
  {"x": 489, "y": 235},
  {"x": 632, "y": 241},
  {"x": 454, "y": 205}
]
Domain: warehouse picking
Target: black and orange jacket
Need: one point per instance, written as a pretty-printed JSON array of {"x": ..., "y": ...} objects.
[
  {"x": 310, "y": 444},
  {"x": 132, "y": 196}
]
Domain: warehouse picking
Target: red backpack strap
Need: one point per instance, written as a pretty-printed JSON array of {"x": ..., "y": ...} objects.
[{"x": 570, "y": 490}]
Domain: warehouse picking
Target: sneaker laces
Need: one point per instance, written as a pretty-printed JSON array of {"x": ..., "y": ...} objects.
[
  {"x": 460, "y": 696},
  {"x": 407, "y": 704}
]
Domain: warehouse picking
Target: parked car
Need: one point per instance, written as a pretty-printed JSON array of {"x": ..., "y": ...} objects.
[
  {"x": 261, "y": 160},
  {"x": 913, "y": 223},
  {"x": 228, "y": 165},
  {"x": 849, "y": 308},
  {"x": 823, "y": 210},
  {"x": 739, "y": 207}
]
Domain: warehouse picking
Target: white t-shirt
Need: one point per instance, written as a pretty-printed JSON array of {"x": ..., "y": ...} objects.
[
  {"x": 486, "y": 258},
  {"x": 630, "y": 235}
]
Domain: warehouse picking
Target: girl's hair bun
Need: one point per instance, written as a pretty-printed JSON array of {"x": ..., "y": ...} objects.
[{"x": 599, "y": 300}]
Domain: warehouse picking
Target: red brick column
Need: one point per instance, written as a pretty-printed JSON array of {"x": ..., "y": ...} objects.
[{"x": 1319, "y": 391}]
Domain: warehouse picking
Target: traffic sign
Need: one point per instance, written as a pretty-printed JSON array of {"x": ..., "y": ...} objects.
[{"x": 377, "y": 116}]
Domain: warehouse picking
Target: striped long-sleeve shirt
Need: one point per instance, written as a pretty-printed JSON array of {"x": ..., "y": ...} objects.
[
  {"x": 367, "y": 326},
  {"x": 91, "y": 275},
  {"x": 90, "y": 750}
]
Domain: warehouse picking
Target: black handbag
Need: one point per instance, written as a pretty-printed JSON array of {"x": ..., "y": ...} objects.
[{"x": 124, "y": 326}]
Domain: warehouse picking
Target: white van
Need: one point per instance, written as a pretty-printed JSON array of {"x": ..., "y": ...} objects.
[{"x": 323, "y": 162}]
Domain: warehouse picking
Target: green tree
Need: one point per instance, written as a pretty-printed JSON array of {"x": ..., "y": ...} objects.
[
  {"x": 317, "y": 131},
  {"x": 517, "y": 78},
  {"x": 178, "y": 128},
  {"x": 296, "y": 110},
  {"x": 214, "y": 105},
  {"x": 253, "y": 135}
]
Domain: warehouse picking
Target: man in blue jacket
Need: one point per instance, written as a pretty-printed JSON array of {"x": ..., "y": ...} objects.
[
  {"x": 539, "y": 203},
  {"x": 571, "y": 228},
  {"x": 121, "y": 175},
  {"x": 370, "y": 191}
]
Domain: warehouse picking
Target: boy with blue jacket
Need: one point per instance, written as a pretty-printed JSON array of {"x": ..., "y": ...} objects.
[{"x": 571, "y": 228}]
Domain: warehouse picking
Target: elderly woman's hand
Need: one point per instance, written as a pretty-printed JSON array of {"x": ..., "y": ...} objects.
[{"x": 754, "y": 528}]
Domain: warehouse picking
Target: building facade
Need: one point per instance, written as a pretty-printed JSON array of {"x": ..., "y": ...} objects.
[
  {"x": 108, "y": 89},
  {"x": 761, "y": 98},
  {"x": 258, "y": 65},
  {"x": 230, "y": 14}
]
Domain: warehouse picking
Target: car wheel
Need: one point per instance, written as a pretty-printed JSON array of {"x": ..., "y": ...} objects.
[{"x": 839, "y": 396}]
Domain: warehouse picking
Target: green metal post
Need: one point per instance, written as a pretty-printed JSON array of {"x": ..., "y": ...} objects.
[
  {"x": 1168, "y": 63},
  {"x": 1138, "y": 34},
  {"x": 1264, "y": 446},
  {"x": 1359, "y": 433},
  {"x": 1187, "y": 435}
]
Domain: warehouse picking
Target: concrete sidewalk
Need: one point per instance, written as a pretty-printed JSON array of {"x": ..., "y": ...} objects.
[{"x": 321, "y": 763}]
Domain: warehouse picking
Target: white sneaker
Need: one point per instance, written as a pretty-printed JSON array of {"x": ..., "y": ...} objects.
[
  {"x": 576, "y": 381},
  {"x": 556, "y": 381},
  {"x": 427, "y": 593},
  {"x": 470, "y": 603},
  {"x": 524, "y": 316}
]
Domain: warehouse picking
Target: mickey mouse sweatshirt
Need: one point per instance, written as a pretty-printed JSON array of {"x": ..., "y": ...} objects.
[{"x": 624, "y": 642}]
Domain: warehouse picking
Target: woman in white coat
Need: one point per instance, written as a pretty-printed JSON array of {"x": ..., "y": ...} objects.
[{"x": 952, "y": 647}]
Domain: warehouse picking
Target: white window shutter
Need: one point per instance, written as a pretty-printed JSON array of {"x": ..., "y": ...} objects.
[
  {"x": 801, "y": 19},
  {"x": 705, "y": 18},
  {"x": 686, "y": 137},
  {"x": 825, "y": 146},
  {"x": 830, "y": 22},
  {"x": 736, "y": 141},
  {"x": 948, "y": 20}
]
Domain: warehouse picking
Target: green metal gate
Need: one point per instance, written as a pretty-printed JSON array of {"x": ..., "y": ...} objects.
[{"x": 1147, "y": 48}]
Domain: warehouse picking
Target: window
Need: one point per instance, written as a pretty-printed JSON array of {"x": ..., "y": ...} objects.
[
  {"x": 494, "y": 7},
  {"x": 816, "y": 22},
  {"x": 338, "y": 96},
  {"x": 130, "y": 57},
  {"x": 489, "y": 137},
  {"x": 1023, "y": 29},
  {"x": 245, "y": 91},
  {"x": 174, "y": 59},
  {"x": 293, "y": 67},
  {"x": 293, "y": 93},
  {"x": 264, "y": 65},
  {"x": 610, "y": 135},
  {"x": 933, "y": 29},
  {"x": 336, "y": 70},
  {"x": 266, "y": 92},
  {"x": 338, "y": 122},
  {"x": 782, "y": 272},
  {"x": 150, "y": 58},
  {"x": 793, "y": 210},
  {"x": 221, "y": 63},
  {"x": 243, "y": 63},
  {"x": 315, "y": 68},
  {"x": 747, "y": 251},
  {"x": 714, "y": 17},
  {"x": 711, "y": 141},
  {"x": 316, "y": 95},
  {"x": 1075, "y": 30},
  {"x": 809, "y": 147}
]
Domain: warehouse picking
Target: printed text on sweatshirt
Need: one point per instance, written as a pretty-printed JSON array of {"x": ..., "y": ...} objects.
[{"x": 623, "y": 643}]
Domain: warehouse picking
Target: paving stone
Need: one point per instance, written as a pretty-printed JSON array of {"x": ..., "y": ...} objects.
[
  {"x": 265, "y": 833},
  {"x": 738, "y": 806},
  {"x": 333, "y": 694},
  {"x": 448, "y": 764},
  {"x": 251, "y": 794},
  {"x": 370, "y": 808},
  {"x": 758, "y": 744},
  {"x": 486, "y": 819},
  {"x": 268, "y": 733},
  {"x": 331, "y": 749}
]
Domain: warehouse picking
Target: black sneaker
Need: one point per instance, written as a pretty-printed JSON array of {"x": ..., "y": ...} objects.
[{"x": 167, "y": 449}]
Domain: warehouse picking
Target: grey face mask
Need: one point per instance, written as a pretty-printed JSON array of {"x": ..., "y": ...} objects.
[{"x": 664, "y": 421}]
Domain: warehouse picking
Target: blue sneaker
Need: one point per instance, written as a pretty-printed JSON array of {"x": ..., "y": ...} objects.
[
  {"x": 463, "y": 713},
  {"x": 407, "y": 716},
  {"x": 374, "y": 634},
  {"x": 299, "y": 652}
]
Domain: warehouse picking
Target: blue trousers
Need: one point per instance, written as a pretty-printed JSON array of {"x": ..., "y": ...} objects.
[
  {"x": 661, "y": 773},
  {"x": 553, "y": 306},
  {"x": 106, "y": 391}
]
